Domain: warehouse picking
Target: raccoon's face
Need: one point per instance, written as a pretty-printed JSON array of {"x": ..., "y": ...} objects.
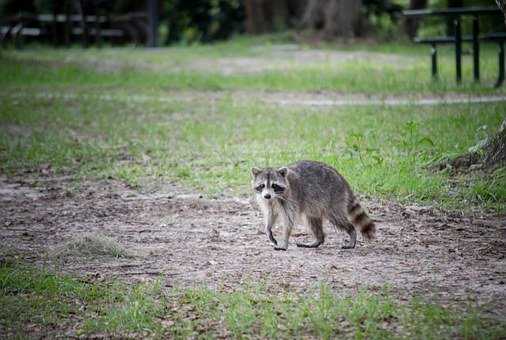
[{"x": 269, "y": 183}]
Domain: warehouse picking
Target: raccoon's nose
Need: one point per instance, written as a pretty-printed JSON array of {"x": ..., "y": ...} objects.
[{"x": 267, "y": 196}]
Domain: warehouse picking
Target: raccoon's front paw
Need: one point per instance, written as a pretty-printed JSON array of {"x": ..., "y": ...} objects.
[
  {"x": 348, "y": 246},
  {"x": 272, "y": 239},
  {"x": 280, "y": 248}
]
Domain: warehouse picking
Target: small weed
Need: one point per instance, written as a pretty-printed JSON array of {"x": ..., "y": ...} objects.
[{"x": 90, "y": 245}]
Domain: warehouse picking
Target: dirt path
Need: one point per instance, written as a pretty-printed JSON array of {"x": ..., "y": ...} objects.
[
  {"x": 192, "y": 240},
  {"x": 291, "y": 99}
]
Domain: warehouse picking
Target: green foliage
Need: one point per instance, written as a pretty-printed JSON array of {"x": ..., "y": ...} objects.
[{"x": 201, "y": 20}]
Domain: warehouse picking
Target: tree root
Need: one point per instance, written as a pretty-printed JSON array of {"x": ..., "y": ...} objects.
[{"x": 486, "y": 155}]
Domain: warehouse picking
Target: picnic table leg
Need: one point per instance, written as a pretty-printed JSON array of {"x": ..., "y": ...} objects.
[
  {"x": 68, "y": 24},
  {"x": 500, "y": 78},
  {"x": 84, "y": 24},
  {"x": 433, "y": 54},
  {"x": 476, "y": 49},
  {"x": 6, "y": 35},
  {"x": 98, "y": 28},
  {"x": 17, "y": 36},
  {"x": 54, "y": 26},
  {"x": 458, "y": 50},
  {"x": 152, "y": 9}
]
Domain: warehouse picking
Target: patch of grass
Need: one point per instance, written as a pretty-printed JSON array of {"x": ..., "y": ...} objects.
[
  {"x": 90, "y": 245},
  {"x": 491, "y": 189},
  {"x": 31, "y": 299},
  {"x": 35, "y": 302},
  {"x": 250, "y": 313},
  {"x": 137, "y": 311},
  {"x": 376, "y": 69}
]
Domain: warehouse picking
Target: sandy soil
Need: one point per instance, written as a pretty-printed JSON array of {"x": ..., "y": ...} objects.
[{"x": 188, "y": 240}]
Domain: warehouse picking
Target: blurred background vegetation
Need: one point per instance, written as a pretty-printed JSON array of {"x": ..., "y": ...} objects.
[{"x": 187, "y": 22}]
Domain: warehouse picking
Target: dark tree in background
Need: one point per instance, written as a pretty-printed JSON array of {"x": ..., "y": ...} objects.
[
  {"x": 272, "y": 15},
  {"x": 328, "y": 19},
  {"x": 334, "y": 18},
  {"x": 411, "y": 24}
]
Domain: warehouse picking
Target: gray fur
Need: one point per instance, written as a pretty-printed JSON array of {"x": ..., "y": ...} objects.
[{"x": 311, "y": 192}]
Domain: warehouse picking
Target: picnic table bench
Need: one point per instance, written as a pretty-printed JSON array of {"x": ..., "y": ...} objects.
[
  {"x": 456, "y": 14},
  {"x": 91, "y": 20},
  {"x": 130, "y": 26}
]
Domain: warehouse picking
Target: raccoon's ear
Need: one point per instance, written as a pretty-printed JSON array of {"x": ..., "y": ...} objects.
[
  {"x": 255, "y": 171},
  {"x": 283, "y": 171}
]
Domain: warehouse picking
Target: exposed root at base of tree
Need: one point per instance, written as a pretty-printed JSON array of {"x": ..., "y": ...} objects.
[{"x": 489, "y": 155}]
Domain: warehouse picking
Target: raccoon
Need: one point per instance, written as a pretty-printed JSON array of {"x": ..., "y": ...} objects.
[{"x": 310, "y": 192}]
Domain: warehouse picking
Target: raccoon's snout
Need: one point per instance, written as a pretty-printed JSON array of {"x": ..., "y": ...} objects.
[{"x": 267, "y": 196}]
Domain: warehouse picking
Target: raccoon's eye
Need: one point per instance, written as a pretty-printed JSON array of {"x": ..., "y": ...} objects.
[
  {"x": 277, "y": 188},
  {"x": 260, "y": 187}
]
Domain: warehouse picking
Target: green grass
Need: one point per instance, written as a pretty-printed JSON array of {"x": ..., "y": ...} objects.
[
  {"x": 212, "y": 144},
  {"x": 196, "y": 67},
  {"x": 382, "y": 151},
  {"x": 37, "y": 302}
]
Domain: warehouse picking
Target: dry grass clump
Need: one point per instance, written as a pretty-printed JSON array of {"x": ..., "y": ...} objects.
[{"x": 91, "y": 245}]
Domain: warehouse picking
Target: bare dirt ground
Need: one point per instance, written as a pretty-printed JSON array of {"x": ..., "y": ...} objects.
[
  {"x": 190, "y": 240},
  {"x": 280, "y": 98}
]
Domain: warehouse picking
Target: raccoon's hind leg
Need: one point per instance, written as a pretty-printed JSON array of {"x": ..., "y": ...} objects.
[
  {"x": 345, "y": 225},
  {"x": 316, "y": 226}
]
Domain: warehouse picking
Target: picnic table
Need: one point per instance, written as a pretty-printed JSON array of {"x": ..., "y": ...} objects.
[
  {"x": 90, "y": 20},
  {"x": 456, "y": 14}
]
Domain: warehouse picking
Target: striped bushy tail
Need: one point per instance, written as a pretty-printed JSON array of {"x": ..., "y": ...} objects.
[{"x": 361, "y": 220}]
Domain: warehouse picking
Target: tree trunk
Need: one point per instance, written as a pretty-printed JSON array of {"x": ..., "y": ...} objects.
[
  {"x": 255, "y": 20},
  {"x": 495, "y": 148},
  {"x": 266, "y": 15},
  {"x": 313, "y": 14},
  {"x": 335, "y": 18},
  {"x": 342, "y": 19},
  {"x": 411, "y": 24}
]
